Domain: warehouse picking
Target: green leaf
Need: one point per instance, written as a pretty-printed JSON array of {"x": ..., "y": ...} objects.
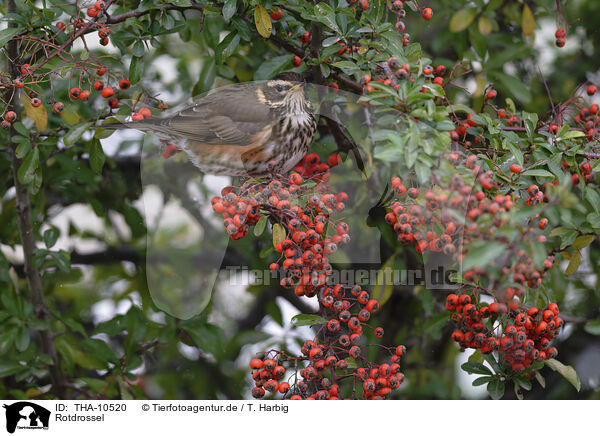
[
  {"x": 592, "y": 196},
  {"x": 259, "y": 228},
  {"x": 20, "y": 127},
  {"x": 514, "y": 86},
  {"x": 22, "y": 341},
  {"x": 29, "y": 166},
  {"x": 303, "y": 319},
  {"x": 9, "y": 367},
  {"x": 97, "y": 157},
  {"x": 136, "y": 69},
  {"x": 538, "y": 173},
  {"x": 568, "y": 372},
  {"x": 540, "y": 379},
  {"x": 62, "y": 260},
  {"x": 573, "y": 134},
  {"x": 594, "y": 219},
  {"x": 7, "y": 34},
  {"x": 227, "y": 47},
  {"x": 592, "y": 327},
  {"x": 50, "y": 237},
  {"x": 483, "y": 255},
  {"x": 482, "y": 380},
  {"x": 496, "y": 389},
  {"x": 262, "y": 20},
  {"x": 278, "y": 234},
  {"x": 24, "y": 147},
  {"x": 434, "y": 326},
  {"x": 74, "y": 134},
  {"x": 207, "y": 77},
  {"x": 573, "y": 263},
  {"x": 461, "y": 19},
  {"x": 476, "y": 368},
  {"x": 516, "y": 151},
  {"x": 229, "y": 9},
  {"x": 272, "y": 67},
  {"x": 326, "y": 15},
  {"x": 559, "y": 231}
]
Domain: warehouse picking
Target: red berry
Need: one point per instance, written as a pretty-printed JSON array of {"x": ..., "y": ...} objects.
[
  {"x": 19, "y": 83},
  {"x": 58, "y": 107},
  {"x": 560, "y": 42},
  {"x": 334, "y": 159},
  {"x": 515, "y": 168},
  {"x": 591, "y": 90},
  {"x": 74, "y": 93},
  {"x": 124, "y": 84},
  {"x": 108, "y": 92},
  {"x": 10, "y": 116},
  {"x": 5, "y": 125},
  {"x": 35, "y": 102},
  {"x": 492, "y": 93},
  {"x": 101, "y": 71},
  {"x": 276, "y": 14},
  {"x": 427, "y": 14},
  {"x": 145, "y": 112},
  {"x": 113, "y": 102},
  {"x": 297, "y": 61},
  {"x": 560, "y": 33}
]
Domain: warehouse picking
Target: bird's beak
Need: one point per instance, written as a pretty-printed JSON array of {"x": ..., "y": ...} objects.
[{"x": 297, "y": 87}]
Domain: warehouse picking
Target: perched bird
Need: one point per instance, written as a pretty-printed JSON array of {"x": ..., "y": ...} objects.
[{"x": 250, "y": 129}]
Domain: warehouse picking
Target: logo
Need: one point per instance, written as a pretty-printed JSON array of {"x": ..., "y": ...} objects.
[{"x": 26, "y": 415}]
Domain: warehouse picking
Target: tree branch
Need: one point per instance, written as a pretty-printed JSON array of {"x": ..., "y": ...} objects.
[{"x": 25, "y": 225}]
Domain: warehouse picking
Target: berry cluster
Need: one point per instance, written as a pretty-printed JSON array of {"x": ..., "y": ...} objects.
[
  {"x": 521, "y": 336},
  {"x": 301, "y": 208},
  {"x": 377, "y": 381}
]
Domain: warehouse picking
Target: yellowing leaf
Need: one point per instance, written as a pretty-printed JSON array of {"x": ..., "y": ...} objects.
[
  {"x": 481, "y": 84},
  {"x": 573, "y": 263},
  {"x": 583, "y": 241},
  {"x": 484, "y": 25},
  {"x": 278, "y": 234},
  {"x": 461, "y": 19},
  {"x": 527, "y": 21},
  {"x": 37, "y": 114},
  {"x": 262, "y": 21},
  {"x": 70, "y": 115},
  {"x": 383, "y": 288}
]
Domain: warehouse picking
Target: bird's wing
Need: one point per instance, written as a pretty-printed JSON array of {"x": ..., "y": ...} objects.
[{"x": 231, "y": 117}]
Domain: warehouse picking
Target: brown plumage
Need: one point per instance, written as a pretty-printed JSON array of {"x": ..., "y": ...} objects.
[{"x": 239, "y": 130}]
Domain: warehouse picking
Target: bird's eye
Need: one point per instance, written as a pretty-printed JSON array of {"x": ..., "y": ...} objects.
[{"x": 279, "y": 88}]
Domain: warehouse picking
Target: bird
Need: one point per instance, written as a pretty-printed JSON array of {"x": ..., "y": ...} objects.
[{"x": 253, "y": 129}]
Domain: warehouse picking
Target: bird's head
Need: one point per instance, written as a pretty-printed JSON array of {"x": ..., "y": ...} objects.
[{"x": 286, "y": 89}]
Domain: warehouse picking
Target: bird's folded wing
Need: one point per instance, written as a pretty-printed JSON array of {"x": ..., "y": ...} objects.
[{"x": 231, "y": 117}]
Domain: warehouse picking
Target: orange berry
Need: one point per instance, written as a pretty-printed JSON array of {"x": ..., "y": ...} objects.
[
  {"x": 58, "y": 107},
  {"x": 108, "y": 92}
]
